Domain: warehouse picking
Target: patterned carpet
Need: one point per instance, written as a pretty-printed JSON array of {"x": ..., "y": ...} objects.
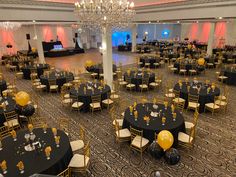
[{"x": 214, "y": 152}]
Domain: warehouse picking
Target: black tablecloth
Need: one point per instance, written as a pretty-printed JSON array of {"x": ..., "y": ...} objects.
[
  {"x": 10, "y": 107},
  {"x": 16, "y": 63},
  {"x": 150, "y": 60},
  {"x": 203, "y": 96},
  {"x": 40, "y": 68},
  {"x": 86, "y": 97},
  {"x": 36, "y": 162},
  {"x": 60, "y": 78},
  {"x": 3, "y": 86},
  {"x": 136, "y": 78},
  {"x": 99, "y": 69},
  {"x": 231, "y": 74},
  {"x": 155, "y": 124}
]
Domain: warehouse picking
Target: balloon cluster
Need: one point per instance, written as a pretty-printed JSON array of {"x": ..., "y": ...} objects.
[
  {"x": 22, "y": 104},
  {"x": 163, "y": 147}
]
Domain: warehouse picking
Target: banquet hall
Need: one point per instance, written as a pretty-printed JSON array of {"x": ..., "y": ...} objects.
[{"x": 117, "y": 88}]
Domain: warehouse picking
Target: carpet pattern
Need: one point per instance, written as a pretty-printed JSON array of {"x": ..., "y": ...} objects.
[{"x": 213, "y": 155}]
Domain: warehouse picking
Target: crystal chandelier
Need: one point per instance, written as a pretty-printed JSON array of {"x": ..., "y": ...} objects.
[
  {"x": 10, "y": 25},
  {"x": 112, "y": 14}
]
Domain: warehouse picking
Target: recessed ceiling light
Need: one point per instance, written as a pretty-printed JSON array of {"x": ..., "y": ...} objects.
[
  {"x": 158, "y": 21},
  {"x": 149, "y": 22},
  {"x": 220, "y": 18},
  {"x": 178, "y": 21},
  {"x": 34, "y": 21}
]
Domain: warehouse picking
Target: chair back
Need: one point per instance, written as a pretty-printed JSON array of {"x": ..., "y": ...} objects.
[
  {"x": 52, "y": 82},
  {"x": 193, "y": 98},
  {"x": 64, "y": 124},
  {"x": 195, "y": 117},
  {"x": 4, "y": 132},
  {"x": 81, "y": 132},
  {"x": 65, "y": 173},
  {"x": 180, "y": 106},
  {"x": 177, "y": 93},
  {"x": 86, "y": 153},
  {"x": 192, "y": 134},
  {"x": 134, "y": 132},
  {"x": 10, "y": 116},
  {"x": 145, "y": 80},
  {"x": 38, "y": 122},
  {"x": 96, "y": 98},
  {"x": 128, "y": 80}
]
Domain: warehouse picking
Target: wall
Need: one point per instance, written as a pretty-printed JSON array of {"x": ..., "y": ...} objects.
[
  {"x": 49, "y": 32},
  {"x": 200, "y": 32},
  {"x": 158, "y": 31}
]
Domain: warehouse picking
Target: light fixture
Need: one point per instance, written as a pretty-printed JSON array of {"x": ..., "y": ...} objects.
[
  {"x": 149, "y": 22},
  {"x": 146, "y": 33},
  {"x": 10, "y": 25},
  {"x": 96, "y": 14},
  {"x": 220, "y": 18},
  {"x": 34, "y": 21},
  {"x": 178, "y": 21}
]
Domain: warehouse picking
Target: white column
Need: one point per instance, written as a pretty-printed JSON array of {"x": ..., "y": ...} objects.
[
  {"x": 107, "y": 56},
  {"x": 134, "y": 40},
  {"x": 38, "y": 38},
  {"x": 211, "y": 39}
]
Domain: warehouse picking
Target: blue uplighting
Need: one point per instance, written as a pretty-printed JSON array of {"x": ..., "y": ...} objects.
[{"x": 120, "y": 38}]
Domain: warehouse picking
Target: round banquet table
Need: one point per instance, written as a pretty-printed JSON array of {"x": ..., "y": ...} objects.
[
  {"x": 137, "y": 77},
  {"x": 231, "y": 74},
  {"x": 36, "y": 162},
  {"x": 155, "y": 124},
  {"x": 150, "y": 60},
  {"x": 86, "y": 97},
  {"x": 10, "y": 107},
  {"x": 60, "y": 78},
  {"x": 40, "y": 69},
  {"x": 99, "y": 69},
  {"x": 17, "y": 62},
  {"x": 3, "y": 86},
  {"x": 204, "y": 97}
]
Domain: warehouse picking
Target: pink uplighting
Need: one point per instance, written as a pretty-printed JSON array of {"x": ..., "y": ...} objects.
[
  {"x": 206, "y": 27},
  {"x": 47, "y": 33},
  {"x": 7, "y": 37},
  {"x": 62, "y": 36},
  {"x": 220, "y": 31}
]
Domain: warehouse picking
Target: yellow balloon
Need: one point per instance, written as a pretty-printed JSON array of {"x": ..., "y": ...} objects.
[
  {"x": 165, "y": 139},
  {"x": 201, "y": 61},
  {"x": 22, "y": 98},
  {"x": 89, "y": 63}
]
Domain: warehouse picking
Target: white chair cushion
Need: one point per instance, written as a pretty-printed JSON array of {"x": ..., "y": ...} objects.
[
  {"x": 183, "y": 137},
  {"x": 156, "y": 64},
  {"x": 13, "y": 122},
  {"x": 41, "y": 86},
  {"x": 153, "y": 84},
  {"x": 188, "y": 125},
  {"x": 130, "y": 85},
  {"x": 67, "y": 95},
  {"x": 221, "y": 103},
  {"x": 136, "y": 142},
  {"x": 123, "y": 114},
  {"x": 173, "y": 69},
  {"x": 119, "y": 121},
  {"x": 77, "y": 104},
  {"x": 212, "y": 106},
  {"x": 114, "y": 96},
  {"x": 124, "y": 133},
  {"x": 77, "y": 161},
  {"x": 107, "y": 101},
  {"x": 76, "y": 145},
  {"x": 53, "y": 87},
  {"x": 144, "y": 86},
  {"x": 95, "y": 105},
  {"x": 193, "y": 105},
  {"x": 192, "y": 71},
  {"x": 67, "y": 101},
  {"x": 94, "y": 74},
  {"x": 223, "y": 77},
  {"x": 178, "y": 100},
  {"x": 170, "y": 95},
  {"x": 68, "y": 84},
  {"x": 123, "y": 83},
  {"x": 182, "y": 70}
]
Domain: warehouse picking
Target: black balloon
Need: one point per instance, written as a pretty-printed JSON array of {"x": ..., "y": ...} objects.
[
  {"x": 28, "y": 110},
  {"x": 172, "y": 156},
  {"x": 155, "y": 150},
  {"x": 18, "y": 109}
]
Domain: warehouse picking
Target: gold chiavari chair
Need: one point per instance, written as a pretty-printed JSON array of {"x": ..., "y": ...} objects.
[
  {"x": 138, "y": 142},
  {"x": 79, "y": 143},
  {"x": 122, "y": 135},
  {"x": 96, "y": 103},
  {"x": 224, "y": 94},
  {"x": 193, "y": 102},
  {"x": 182, "y": 69},
  {"x": 189, "y": 125},
  {"x": 65, "y": 173},
  {"x": 212, "y": 107},
  {"x": 187, "y": 140},
  {"x": 116, "y": 119},
  {"x": 129, "y": 86},
  {"x": 223, "y": 104},
  {"x": 80, "y": 162},
  {"x": 180, "y": 106},
  {"x": 108, "y": 102},
  {"x": 64, "y": 125},
  {"x": 4, "y": 132},
  {"x": 37, "y": 122},
  {"x": 193, "y": 70},
  {"x": 75, "y": 103},
  {"x": 145, "y": 84},
  {"x": 12, "y": 120},
  {"x": 53, "y": 87},
  {"x": 177, "y": 98},
  {"x": 68, "y": 83}
]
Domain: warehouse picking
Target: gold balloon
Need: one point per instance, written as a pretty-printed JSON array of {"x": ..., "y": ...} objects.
[
  {"x": 89, "y": 63},
  {"x": 165, "y": 139},
  {"x": 22, "y": 98},
  {"x": 201, "y": 61}
]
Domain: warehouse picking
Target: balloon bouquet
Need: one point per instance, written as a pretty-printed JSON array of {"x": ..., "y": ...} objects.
[
  {"x": 163, "y": 147},
  {"x": 22, "y": 104}
]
